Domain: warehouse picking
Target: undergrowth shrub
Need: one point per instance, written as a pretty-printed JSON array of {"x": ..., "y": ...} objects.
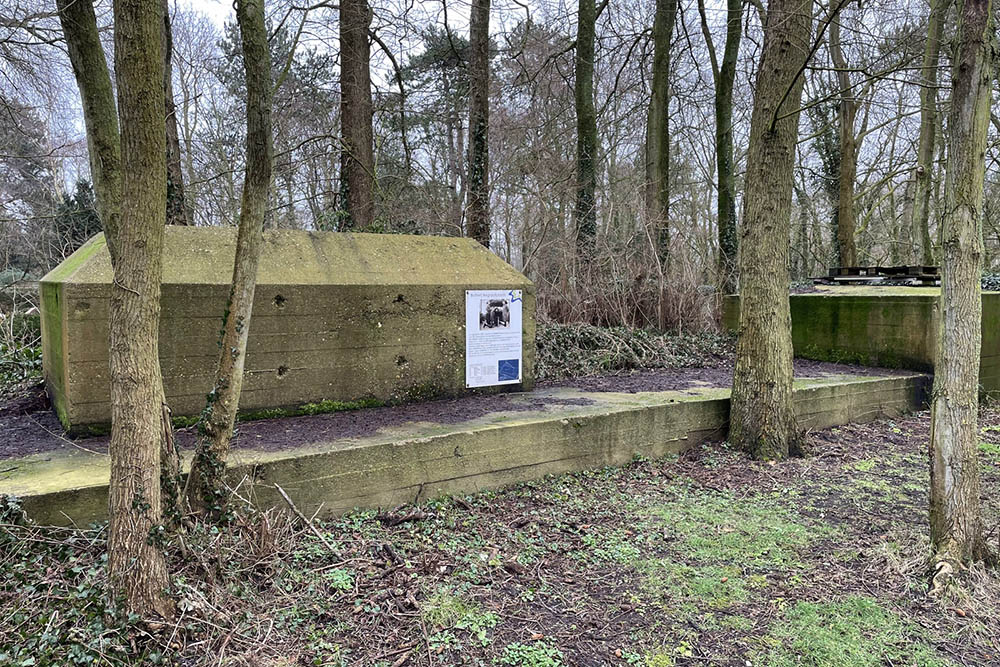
[{"x": 20, "y": 349}]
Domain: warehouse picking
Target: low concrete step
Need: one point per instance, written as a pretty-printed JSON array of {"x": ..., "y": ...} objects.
[{"x": 561, "y": 430}]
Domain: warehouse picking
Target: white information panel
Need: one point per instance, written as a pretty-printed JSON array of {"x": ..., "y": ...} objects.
[{"x": 492, "y": 337}]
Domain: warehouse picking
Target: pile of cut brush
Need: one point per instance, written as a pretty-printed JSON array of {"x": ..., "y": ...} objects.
[{"x": 577, "y": 350}]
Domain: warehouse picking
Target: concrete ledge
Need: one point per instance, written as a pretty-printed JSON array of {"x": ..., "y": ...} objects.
[{"x": 573, "y": 431}]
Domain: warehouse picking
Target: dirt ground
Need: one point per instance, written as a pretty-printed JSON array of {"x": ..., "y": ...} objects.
[
  {"x": 705, "y": 559},
  {"x": 29, "y": 426}
]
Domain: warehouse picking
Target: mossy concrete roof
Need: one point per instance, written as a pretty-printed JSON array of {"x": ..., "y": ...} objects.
[{"x": 204, "y": 256}]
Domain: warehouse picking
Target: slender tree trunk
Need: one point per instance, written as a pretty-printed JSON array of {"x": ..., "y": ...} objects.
[
  {"x": 847, "y": 254},
  {"x": 955, "y": 518},
  {"x": 586, "y": 129},
  {"x": 100, "y": 114},
  {"x": 136, "y": 567},
  {"x": 177, "y": 211},
  {"x": 728, "y": 240},
  {"x": 478, "y": 209},
  {"x": 357, "y": 158},
  {"x": 658, "y": 131},
  {"x": 762, "y": 419},
  {"x": 90, "y": 68},
  {"x": 920, "y": 220},
  {"x": 207, "y": 484}
]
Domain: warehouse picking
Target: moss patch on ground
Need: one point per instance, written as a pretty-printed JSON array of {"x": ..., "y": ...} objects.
[{"x": 703, "y": 558}]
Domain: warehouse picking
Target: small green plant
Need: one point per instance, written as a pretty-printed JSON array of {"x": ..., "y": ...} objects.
[{"x": 538, "y": 654}]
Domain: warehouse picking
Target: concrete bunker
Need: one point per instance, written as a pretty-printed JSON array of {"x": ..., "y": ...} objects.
[
  {"x": 337, "y": 317},
  {"x": 888, "y": 326}
]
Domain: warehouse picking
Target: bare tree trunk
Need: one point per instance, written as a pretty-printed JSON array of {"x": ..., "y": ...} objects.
[
  {"x": 658, "y": 131},
  {"x": 586, "y": 129},
  {"x": 847, "y": 254},
  {"x": 177, "y": 211},
  {"x": 357, "y": 158},
  {"x": 207, "y": 485},
  {"x": 955, "y": 518},
  {"x": 86, "y": 53},
  {"x": 136, "y": 567},
  {"x": 100, "y": 114},
  {"x": 762, "y": 419},
  {"x": 478, "y": 209},
  {"x": 920, "y": 220}
]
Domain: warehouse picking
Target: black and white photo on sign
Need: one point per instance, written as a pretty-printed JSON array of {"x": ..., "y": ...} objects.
[{"x": 494, "y": 314}]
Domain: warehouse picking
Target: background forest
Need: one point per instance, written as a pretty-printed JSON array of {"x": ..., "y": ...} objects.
[{"x": 857, "y": 157}]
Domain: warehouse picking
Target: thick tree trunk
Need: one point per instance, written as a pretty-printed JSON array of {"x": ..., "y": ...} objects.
[
  {"x": 586, "y": 129},
  {"x": 728, "y": 240},
  {"x": 86, "y": 53},
  {"x": 658, "y": 131},
  {"x": 847, "y": 111},
  {"x": 177, "y": 211},
  {"x": 207, "y": 484},
  {"x": 956, "y": 522},
  {"x": 920, "y": 220},
  {"x": 478, "y": 210},
  {"x": 357, "y": 158},
  {"x": 136, "y": 567},
  {"x": 762, "y": 417}
]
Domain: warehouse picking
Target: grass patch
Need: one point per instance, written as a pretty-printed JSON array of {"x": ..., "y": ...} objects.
[
  {"x": 853, "y": 632},
  {"x": 757, "y": 531}
]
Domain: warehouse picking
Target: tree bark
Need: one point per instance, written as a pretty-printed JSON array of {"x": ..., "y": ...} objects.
[
  {"x": 762, "y": 419},
  {"x": 728, "y": 240},
  {"x": 136, "y": 566},
  {"x": 478, "y": 208},
  {"x": 955, "y": 519},
  {"x": 357, "y": 158},
  {"x": 100, "y": 114},
  {"x": 586, "y": 129},
  {"x": 847, "y": 111},
  {"x": 90, "y": 68},
  {"x": 920, "y": 220},
  {"x": 207, "y": 489},
  {"x": 177, "y": 211},
  {"x": 658, "y": 131}
]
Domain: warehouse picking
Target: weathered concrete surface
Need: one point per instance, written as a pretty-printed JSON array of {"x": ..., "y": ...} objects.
[
  {"x": 336, "y": 317},
  {"x": 891, "y": 327},
  {"x": 422, "y": 460}
]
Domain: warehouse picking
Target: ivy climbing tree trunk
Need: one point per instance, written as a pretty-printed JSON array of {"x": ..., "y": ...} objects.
[
  {"x": 207, "y": 488},
  {"x": 762, "y": 419},
  {"x": 357, "y": 158},
  {"x": 477, "y": 213},
  {"x": 847, "y": 112},
  {"x": 79, "y": 24},
  {"x": 921, "y": 206},
  {"x": 728, "y": 243},
  {"x": 136, "y": 567},
  {"x": 177, "y": 210},
  {"x": 586, "y": 129},
  {"x": 955, "y": 516}
]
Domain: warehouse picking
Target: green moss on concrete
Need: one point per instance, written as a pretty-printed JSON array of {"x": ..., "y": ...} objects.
[{"x": 95, "y": 247}]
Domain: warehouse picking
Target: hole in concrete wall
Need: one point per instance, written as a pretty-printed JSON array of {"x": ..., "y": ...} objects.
[
  {"x": 279, "y": 301},
  {"x": 282, "y": 371},
  {"x": 82, "y": 307},
  {"x": 401, "y": 360},
  {"x": 399, "y": 299}
]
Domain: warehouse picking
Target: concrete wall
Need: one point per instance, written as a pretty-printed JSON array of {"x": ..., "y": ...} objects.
[
  {"x": 401, "y": 337},
  {"x": 417, "y": 462},
  {"x": 887, "y": 327}
]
